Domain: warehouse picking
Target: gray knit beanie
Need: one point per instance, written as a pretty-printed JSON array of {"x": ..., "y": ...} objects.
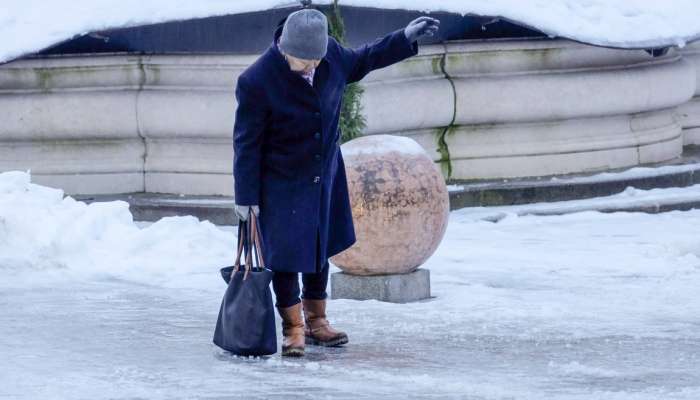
[{"x": 305, "y": 34}]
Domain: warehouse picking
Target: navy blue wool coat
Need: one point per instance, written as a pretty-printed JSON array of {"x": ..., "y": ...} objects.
[{"x": 287, "y": 157}]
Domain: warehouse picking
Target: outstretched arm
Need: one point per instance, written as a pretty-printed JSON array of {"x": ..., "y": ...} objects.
[{"x": 392, "y": 48}]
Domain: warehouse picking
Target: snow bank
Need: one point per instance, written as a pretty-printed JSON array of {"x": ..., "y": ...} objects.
[
  {"x": 31, "y": 25},
  {"x": 46, "y": 236}
]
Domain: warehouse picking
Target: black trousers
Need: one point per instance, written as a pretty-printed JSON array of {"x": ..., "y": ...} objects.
[{"x": 286, "y": 284}]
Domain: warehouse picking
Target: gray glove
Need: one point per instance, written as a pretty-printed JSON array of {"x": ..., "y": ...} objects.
[
  {"x": 243, "y": 211},
  {"x": 420, "y": 27}
]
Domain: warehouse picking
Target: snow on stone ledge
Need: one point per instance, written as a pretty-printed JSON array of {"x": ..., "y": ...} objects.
[{"x": 31, "y": 25}]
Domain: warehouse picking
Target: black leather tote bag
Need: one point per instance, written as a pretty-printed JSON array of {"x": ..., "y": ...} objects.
[{"x": 246, "y": 322}]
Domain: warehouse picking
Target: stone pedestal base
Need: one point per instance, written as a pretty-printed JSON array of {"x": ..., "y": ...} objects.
[{"x": 395, "y": 288}]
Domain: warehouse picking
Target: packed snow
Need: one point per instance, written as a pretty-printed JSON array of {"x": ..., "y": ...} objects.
[
  {"x": 628, "y": 174},
  {"x": 630, "y": 198},
  {"x": 632, "y": 173},
  {"x": 31, "y": 25},
  {"x": 579, "y": 306}
]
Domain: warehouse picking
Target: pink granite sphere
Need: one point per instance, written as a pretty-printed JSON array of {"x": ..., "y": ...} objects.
[{"x": 400, "y": 205}]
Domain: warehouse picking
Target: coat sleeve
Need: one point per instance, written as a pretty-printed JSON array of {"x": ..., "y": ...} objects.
[
  {"x": 249, "y": 126},
  {"x": 383, "y": 52}
]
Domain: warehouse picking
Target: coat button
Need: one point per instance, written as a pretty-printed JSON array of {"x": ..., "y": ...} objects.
[
  {"x": 317, "y": 156},
  {"x": 317, "y": 179},
  {"x": 317, "y": 135}
]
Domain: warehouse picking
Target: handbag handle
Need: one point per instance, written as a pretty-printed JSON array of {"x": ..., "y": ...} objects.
[
  {"x": 257, "y": 241},
  {"x": 243, "y": 245},
  {"x": 241, "y": 239},
  {"x": 245, "y": 228},
  {"x": 250, "y": 235}
]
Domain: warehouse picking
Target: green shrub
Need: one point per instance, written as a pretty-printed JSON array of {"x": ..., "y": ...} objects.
[{"x": 351, "y": 120}]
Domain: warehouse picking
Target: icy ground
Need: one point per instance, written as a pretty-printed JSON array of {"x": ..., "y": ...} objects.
[{"x": 580, "y": 306}]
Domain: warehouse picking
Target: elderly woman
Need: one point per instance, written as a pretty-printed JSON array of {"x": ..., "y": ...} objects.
[{"x": 288, "y": 168}]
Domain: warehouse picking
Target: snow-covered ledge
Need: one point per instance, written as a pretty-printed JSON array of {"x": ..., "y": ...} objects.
[
  {"x": 505, "y": 108},
  {"x": 690, "y": 112}
]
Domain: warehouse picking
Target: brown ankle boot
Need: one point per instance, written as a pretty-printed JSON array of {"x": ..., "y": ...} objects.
[
  {"x": 292, "y": 330},
  {"x": 318, "y": 330}
]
